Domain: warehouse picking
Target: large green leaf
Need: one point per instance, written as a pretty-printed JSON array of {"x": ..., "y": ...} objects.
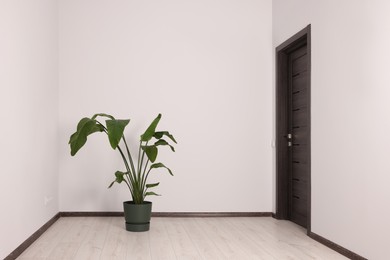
[
  {"x": 151, "y": 129},
  {"x": 82, "y": 122},
  {"x": 115, "y": 128},
  {"x": 163, "y": 142},
  {"x": 160, "y": 165},
  {"x": 85, "y": 127},
  {"x": 151, "y": 151},
  {"x": 160, "y": 134}
]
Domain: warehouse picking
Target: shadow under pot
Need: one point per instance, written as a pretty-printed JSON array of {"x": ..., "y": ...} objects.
[{"x": 137, "y": 216}]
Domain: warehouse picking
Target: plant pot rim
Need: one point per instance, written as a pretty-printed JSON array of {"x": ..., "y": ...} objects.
[{"x": 132, "y": 202}]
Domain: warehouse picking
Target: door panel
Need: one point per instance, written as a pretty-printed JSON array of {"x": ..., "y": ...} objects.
[
  {"x": 299, "y": 81},
  {"x": 299, "y": 101},
  {"x": 299, "y": 171},
  {"x": 299, "y": 154},
  {"x": 299, "y": 117},
  {"x": 300, "y": 135},
  {"x": 293, "y": 181},
  {"x": 298, "y": 107}
]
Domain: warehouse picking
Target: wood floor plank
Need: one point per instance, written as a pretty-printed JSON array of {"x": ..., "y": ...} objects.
[
  {"x": 160, "y": 245},
  {"x": 203, "y": 243},
  {"x": 182, "y": 244},
  {"x": 295, "y": 236},
  {"x": 221, "y": 237},
  {"x": 177, "y": 238},
  {"x": 71, "y": 241},
  {"x": 48, "y": 240},
  {"x": 254, "y": 249},
  {"x": 92, "y": 246},
  {"x": 138, "y": 246},
  {"x": 284, "y": 239},
  {"x": 115, "y": 246}
]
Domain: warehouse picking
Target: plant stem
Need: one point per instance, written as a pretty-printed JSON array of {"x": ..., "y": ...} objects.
[
  {"x": 143, "y": 182},
  {"x": 129, "y": 175},
  {"x": 139, "y": 156},
  {"x": 131, "y": 190},
  {"x": 124, "y": 159},
  {"x": 128, "y": 154},
  {"x": 142, "y": 160},
  {"x": 104, "y": 128}
]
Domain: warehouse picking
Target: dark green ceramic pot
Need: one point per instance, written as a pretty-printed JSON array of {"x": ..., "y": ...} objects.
[{"x": 137, "y": 216}]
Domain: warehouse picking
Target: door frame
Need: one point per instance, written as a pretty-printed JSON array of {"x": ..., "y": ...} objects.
[{"x": 282, "y": 168}]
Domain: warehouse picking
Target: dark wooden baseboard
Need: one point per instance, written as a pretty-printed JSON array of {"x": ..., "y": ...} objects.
[
  {"x": 169, "y": 214},
  {"x": 19, "y": 250},
  {"x": 210, "y": 214},
  {"x": 91, "y": 214},
  {"x": 345, "y": 252}
]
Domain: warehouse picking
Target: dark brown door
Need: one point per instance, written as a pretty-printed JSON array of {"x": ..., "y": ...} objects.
[
  {"x": 297, "y": 143},
  {"x": 293, "y": 188}
]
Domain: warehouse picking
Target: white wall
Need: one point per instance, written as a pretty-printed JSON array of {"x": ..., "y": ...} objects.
[
  {"x": 205, "y": 65},
  {"x": 350, "y": 112},
  {"x": 29, "y": 118}
]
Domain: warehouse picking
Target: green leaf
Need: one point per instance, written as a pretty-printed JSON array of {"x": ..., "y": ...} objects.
[
  {"x": 159, "y": 135},
  {"x": 151, "y": 193},
  {"x": 163, "y": 142},
  {"x": 115, "y": 130},
  {"x": 96, "y": 128},
  {"x": 151, "y": 185},
  {"x": 103, "y": 115},
  {"x": 82, "y": 122},
  {"x": 151, "y": 129},
  {"x": 118, "y": 178},
  {"x": 160, "y": 165},
  {"x": 85, "y": 127},
  {"x": 151, "y": 151},
  {"x": 112, "y": 183}
]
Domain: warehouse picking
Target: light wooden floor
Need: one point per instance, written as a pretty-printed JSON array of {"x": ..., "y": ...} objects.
[{"x": 177, "y": 238}]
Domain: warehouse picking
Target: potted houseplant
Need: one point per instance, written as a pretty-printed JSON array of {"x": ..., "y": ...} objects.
[{"x": 137, "y": 211}]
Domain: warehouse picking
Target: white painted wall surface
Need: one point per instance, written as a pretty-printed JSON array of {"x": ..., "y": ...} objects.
[
  {"x": 350, "y": 117},
  {"x": 29, "y": 114},
  {"x": 205, "y": 65}
]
